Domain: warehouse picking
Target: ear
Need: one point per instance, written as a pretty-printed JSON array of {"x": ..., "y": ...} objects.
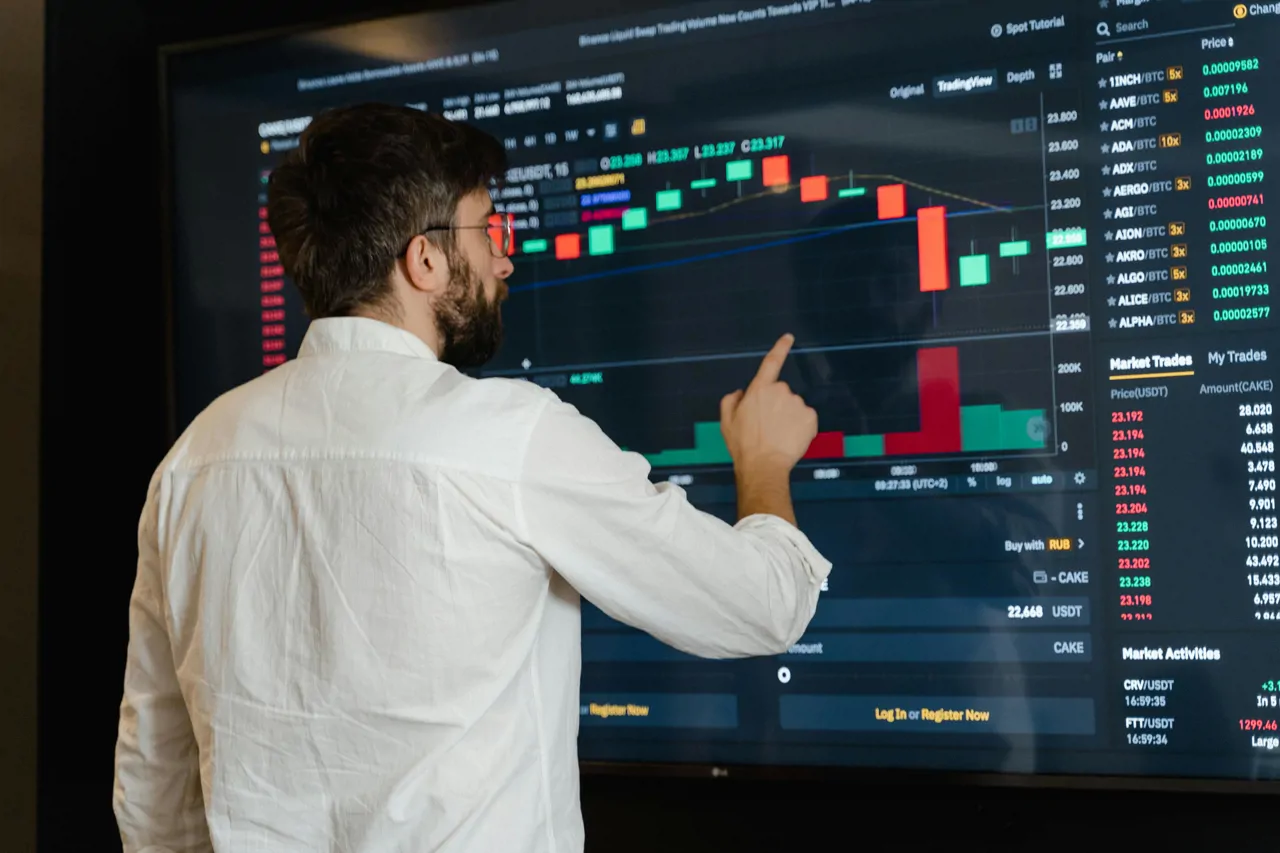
[{"x": 426, "y": 267}]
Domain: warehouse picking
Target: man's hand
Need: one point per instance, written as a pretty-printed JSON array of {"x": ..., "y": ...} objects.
[{"x": 767, "y": 427}]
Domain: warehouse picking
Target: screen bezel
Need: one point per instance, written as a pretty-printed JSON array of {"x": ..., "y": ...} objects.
[{"x": 773, "y": 772}]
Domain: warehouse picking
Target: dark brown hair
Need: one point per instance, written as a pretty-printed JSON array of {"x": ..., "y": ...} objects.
[{"x": 362, "y": 182}]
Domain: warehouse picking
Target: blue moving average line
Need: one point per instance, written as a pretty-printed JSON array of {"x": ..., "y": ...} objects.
[{"x": 727, "y": 252}]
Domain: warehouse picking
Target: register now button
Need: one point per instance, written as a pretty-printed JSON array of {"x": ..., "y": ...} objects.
[{"x": 660, "y": 710}]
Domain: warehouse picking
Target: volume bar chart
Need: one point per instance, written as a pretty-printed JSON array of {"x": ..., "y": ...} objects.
[{"x": 945, "y": 426}]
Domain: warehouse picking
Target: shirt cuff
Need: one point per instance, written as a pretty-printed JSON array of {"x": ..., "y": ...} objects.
[{"x": 816, "y": 565}]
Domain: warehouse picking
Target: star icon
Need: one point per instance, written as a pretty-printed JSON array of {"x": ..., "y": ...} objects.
[
  {"x": 1111, "y": 279},
  {"x": 1106, "y": 214},
  {"x": 1110, "y": 257},
  {"x": 1111, "y": 301},
  {"x": 1102, "y": 105},
  {"x": 1102, "y": 83},
  {"x": 1106, "y": 192},
  {"x": 1106, "y": 170},
  {"x": 1103, "y": 127},
  {"x": 1112, "y": 322},
  {"x": 1106, "y": 149},
  {"x": 1108, "y": 235}
]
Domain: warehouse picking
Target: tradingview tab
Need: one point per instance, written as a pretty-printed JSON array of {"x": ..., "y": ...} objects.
[{"x": 966, "y": 83}]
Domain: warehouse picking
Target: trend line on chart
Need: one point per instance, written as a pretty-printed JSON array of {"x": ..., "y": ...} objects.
[
  {"x": 756, "y": 355},
  {"x": 763, "y": 235},
  {"x": 852, "y": 177},
  {"x": 776, "y": 179},
  {"x": 840, "y": 229}
]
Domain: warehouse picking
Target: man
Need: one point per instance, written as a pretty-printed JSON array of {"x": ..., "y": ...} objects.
[{"x": 355, "y": 625}]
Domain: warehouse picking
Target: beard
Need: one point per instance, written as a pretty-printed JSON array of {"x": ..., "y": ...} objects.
[{"x": 470, "y": 324}]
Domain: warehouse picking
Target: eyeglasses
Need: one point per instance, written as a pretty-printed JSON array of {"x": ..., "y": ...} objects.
[{"x": 501, "y": 229}]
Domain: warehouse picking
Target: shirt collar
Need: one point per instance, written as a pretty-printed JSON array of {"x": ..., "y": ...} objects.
[{"x": 360, "y": 334}]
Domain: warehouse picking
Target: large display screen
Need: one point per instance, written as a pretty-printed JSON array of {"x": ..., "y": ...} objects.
[{"x": 1024, "y": 250}]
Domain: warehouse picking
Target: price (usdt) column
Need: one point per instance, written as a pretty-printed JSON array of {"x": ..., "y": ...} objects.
[{"x": 1132, "y": 514}]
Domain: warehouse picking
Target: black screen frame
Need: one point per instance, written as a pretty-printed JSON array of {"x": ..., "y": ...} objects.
[{"x": 567, "y": 10}]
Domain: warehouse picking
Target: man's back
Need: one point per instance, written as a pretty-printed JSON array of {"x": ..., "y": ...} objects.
[{"x": 363, "y": 566}]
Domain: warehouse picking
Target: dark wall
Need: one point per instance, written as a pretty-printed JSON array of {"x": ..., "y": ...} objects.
[
  {"x": 102, "y": 406},
  {"x": 22, "y": 73},
  {"x": 103, "y": 433}
]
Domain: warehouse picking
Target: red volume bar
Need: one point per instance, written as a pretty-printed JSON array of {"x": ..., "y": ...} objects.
[
  {"x": 931, "y": 227},
  {"x": 891, "y": 201},
  {"x": 826, "y": 445},
  {"x": 938, "y": 375}
]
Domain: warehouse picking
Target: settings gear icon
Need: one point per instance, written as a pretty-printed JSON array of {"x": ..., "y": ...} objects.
[{"x": 1080, "y": 478}]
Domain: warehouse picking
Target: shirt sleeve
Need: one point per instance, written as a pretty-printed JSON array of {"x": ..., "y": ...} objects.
[
  {"x": 647, "y": 557},
  {"x": 158, "y": 802}
]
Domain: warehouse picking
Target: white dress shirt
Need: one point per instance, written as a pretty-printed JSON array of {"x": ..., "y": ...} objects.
[{"x": 355, "y": 624}]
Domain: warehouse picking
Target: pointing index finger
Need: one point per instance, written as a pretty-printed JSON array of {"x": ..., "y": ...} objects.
[{"x": 771, "y": 366}]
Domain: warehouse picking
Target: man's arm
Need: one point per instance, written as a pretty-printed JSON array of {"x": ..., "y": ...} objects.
[
  {"x": 767, "y": 429},
  {"x": 158, "y": 801},
  {"x": 644, "y": 555}
]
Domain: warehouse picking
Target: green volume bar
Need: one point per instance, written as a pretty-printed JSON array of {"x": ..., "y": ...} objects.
[
  {"x": 708, "y": 449},
  {"x": 1022, "y": 430},
  {"x": 600, "y": 240},
  {"x": 668, "y": 200},
  {"x": 533, "y": 247},
  {"x": 856, "y": 446},
  {"x": 984, "y": 428},
  {"x": 737, "y": 170},
  {"x": 1015, "y": 248},
  {"x": 980, "y": 428},
  {"x": 975, "y": 270}
]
